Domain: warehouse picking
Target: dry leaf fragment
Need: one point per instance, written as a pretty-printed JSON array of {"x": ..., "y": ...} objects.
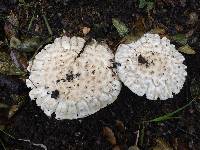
[
  {"x": 86, "y": 30},
  {"x": 13, "y": 110},
  {"x": 120, "y": 125},
  {"x": 11, "y": 25},
  {"x": 135, "y": 147},
  {"x": 195, "y": 88},
  {"x": 161, "y": 144},
  {"x": 116, "y": 147},
  {"x": 193, "y": 18},
  {"x": 26, "y": 44},
  {"x": 7, "y": 66},
  {"x": 1, "y": 43},
  {"x": 19, "y": 59},
  {"x": 195, "y": 92},
  {"x": 140, "y": 25},
  {"x": 13, "y": 19},
  {"x": 14, "y": 42},
  {"x": 9, "y": 30},
  {"x": 109, "y": 135},
  {"x": 133, "y": 36},
  {"x": 2, "y": 127},
  {"x": 186, "y": 49},
  {"x": 158, "y": 30},
  {"x": 2, "y": 105}
]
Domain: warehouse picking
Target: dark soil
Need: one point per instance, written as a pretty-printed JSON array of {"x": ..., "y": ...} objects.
[{"x": 30, "y": 123}]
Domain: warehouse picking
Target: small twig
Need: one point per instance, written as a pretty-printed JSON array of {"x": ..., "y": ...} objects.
[
  {"x": 142, "y": 134},
  {"x": 2, "y": 144},
  {"x": 7, "y": 134},
  {"x": 47, "y": 24},
  {"x": 35, "y": 144},
  {"x": 182, "y": 130},
  {"x": 137, "y": 137},
  {"x": 31, "y": 22},
  {"x": 33, "y": 17}
]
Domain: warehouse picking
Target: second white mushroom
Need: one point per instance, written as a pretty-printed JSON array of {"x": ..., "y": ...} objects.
[{"x": 151, "y": 66}]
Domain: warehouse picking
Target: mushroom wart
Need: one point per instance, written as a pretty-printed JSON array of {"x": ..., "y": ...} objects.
[
  {"x": 72, "y": 78},
  {"x": 151, "y": 66}
]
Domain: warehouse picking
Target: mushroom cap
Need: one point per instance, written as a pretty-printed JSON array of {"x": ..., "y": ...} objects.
[
  {"x": 72, "y": 78},
  {"x": 151, "y": 66}
]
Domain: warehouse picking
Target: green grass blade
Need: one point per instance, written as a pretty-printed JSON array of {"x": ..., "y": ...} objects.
[
  {"x": 47, "y": 24},
  {"x": 170, "y": 115}
]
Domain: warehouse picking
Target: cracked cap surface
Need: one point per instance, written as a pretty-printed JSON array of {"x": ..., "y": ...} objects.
[
  {"x": 151, "y": 66},
  {"x": 72, "y": 78}
]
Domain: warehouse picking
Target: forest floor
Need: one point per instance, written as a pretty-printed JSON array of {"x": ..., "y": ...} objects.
[{"x": 124, "y": 123}]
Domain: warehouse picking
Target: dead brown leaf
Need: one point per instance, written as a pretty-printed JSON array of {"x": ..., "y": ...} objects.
[
  {"x": 116, "y": 147},
  {"x": 133, "y": 148},
  {"x": 186, "y": 49},
  {"x": 13, "y": 110},
  {"x": 11, "y": 25},
  {"x": 139, "y": 25},
  {"x": 161, "y": 144},
  {"x": 158, "y": 30},
  {"x": 86, "y": 30},
  {"x": 9, "y": 30},
  {"x": 109, "y": 135},
  {"x": 120, "y": 126}
]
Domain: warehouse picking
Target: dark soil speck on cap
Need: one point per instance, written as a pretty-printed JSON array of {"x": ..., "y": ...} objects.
[{"x": 55, "y": 94}]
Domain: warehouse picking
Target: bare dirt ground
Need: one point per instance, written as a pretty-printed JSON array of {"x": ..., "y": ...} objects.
[{"x": 122, "y": 124}]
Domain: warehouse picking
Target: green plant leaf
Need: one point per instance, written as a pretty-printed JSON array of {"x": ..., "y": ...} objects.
[
  {"x": 179, "y": 38},
  {"x": 186, "y": 49},
  {"x": 30, "y": 44},
  {"x": 142, "y": 3},
  {"x": 150, "y": 6},
  {"x": 26, "y": 44},
  {"x": 120, "y": 26}
]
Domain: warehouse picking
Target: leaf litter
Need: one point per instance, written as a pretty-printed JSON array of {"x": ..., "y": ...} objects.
[{"x": 28, "y": 43}]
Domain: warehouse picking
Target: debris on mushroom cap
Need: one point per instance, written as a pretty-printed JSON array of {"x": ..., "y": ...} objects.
[
  {"x": 72, "y": 78},
  {"x": 151, "y": 66}
]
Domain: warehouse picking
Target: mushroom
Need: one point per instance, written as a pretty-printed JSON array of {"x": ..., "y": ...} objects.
[
  {"x": 73, "y": 79},
  {"x": 151, "y": 66}
]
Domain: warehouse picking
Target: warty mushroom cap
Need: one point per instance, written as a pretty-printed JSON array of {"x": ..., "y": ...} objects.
[
  {"x": 151, "y": 66},
  {"x": 72, "y": 78}
]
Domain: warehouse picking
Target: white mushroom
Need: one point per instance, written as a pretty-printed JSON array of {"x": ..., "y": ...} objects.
[
  {"x": 151, "y": 66},
  {"x": 73, "y": 79}
]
